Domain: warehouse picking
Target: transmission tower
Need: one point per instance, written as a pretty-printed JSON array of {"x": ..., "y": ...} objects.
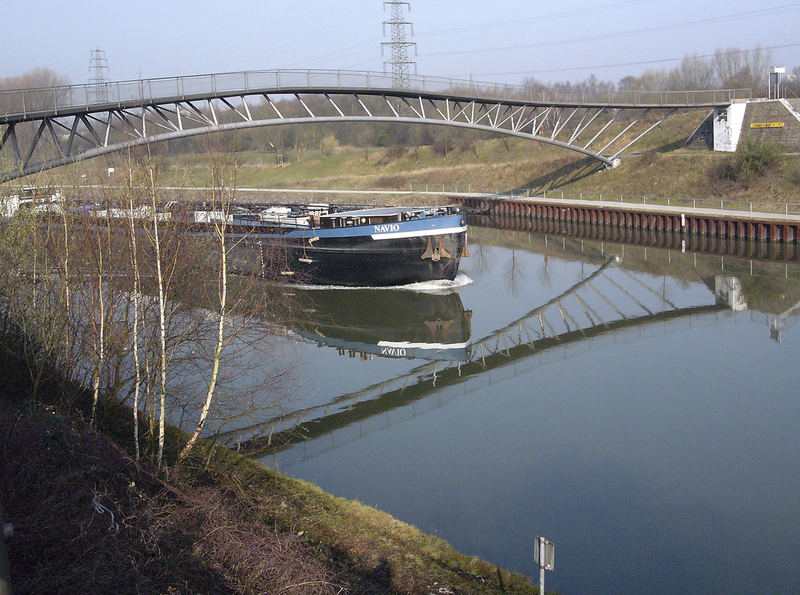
[
  {"x": 98, "y": 67},
  {"x": 399, "y": 45}
]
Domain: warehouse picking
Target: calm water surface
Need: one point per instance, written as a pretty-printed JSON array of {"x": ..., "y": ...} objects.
[{"x": 647, "y": 423}]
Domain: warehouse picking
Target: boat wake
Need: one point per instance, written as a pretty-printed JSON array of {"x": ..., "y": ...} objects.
[{"x": 439, "y": 286}]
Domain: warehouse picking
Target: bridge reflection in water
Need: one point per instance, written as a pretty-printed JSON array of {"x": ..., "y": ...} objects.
[{"x": 609, "y": 304}]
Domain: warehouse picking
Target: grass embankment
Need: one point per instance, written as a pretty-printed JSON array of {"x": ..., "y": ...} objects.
[
  {"x": 663, "y": 167},
  {"x": 217, "y": 523}
]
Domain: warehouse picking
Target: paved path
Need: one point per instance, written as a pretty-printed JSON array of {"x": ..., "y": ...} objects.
[
  {"x": 672, "y": 209},
  {"x": 649, "y": 207},
  {"x": 571, "y": 202}
]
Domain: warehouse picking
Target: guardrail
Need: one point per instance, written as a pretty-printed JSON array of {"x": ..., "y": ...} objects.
[
  {"x": 25, "y": 102},
  {"x": 721, "y": 204}
]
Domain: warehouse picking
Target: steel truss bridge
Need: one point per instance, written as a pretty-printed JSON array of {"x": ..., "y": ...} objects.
[
  {"x": 44, "y": 128},
  {"x": 610, "y": 303}
]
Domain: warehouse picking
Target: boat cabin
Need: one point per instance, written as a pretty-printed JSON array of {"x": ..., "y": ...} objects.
[{"x": 376, "y": 216}]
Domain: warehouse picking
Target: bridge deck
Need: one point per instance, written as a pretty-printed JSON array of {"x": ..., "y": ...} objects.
[{"x": 18, "y": 105}]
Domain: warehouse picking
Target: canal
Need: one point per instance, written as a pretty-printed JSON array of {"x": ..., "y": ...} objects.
[{"x": 635, "y": 405}]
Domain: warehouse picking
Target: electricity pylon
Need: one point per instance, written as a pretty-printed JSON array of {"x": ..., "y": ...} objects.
[{"x": 399, "y": 44}]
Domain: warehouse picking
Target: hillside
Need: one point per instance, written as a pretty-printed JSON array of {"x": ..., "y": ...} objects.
[
  {"x": 663, "y": 166},
  {"x": 660, "y": 166},
  {"x": 89, "y": 518}
]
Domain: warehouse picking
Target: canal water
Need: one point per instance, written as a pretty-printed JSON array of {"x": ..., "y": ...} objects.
[{"x": 637, "y": 406}]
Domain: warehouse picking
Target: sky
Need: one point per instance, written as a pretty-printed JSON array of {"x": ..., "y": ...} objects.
[{"x": 500, "y": 41}]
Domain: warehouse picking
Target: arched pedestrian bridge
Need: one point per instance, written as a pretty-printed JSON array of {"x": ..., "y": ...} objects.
[{"x": 44, "y": 128}]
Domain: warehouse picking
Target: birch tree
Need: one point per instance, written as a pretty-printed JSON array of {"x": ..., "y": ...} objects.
[
  {"x": 162, "y": 413},
  {"x": 137, "y": 288},
  {"x": 220, "y": 203}
]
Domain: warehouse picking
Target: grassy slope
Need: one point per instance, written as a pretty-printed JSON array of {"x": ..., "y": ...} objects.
[
  {"x": 664, "y": 167},
  {"x": 219, "y": 523}
]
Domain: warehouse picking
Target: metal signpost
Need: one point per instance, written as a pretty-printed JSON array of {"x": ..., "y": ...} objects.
[{"x": 544, "y": 553}]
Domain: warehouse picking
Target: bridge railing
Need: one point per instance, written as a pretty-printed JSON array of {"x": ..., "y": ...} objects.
[
  {"x": 720, "y": 204},
  {"x": 49, "y": 100}
]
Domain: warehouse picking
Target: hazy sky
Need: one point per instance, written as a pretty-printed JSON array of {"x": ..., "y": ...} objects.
[{"x": 500, "y": 40}]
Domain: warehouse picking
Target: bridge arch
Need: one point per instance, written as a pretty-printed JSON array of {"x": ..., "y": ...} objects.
[
  {"x": 86, "y": 121},
  {"x": 91, "y": 153}
]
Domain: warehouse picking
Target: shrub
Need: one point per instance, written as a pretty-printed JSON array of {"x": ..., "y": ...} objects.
[
  {"x": 395, "y": 152},
  {"x": 648, "y": 158},
  {"x": 392, "y": 182},
  {"x": 752, "y": 159},
  {"x": 391, "y": 154},
  {"x": 329, "y": 144},
  {"x": 443, "y": 147},
  {"x": 791, "y": 171}
]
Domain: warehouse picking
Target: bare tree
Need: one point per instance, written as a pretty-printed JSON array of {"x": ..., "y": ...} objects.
[
  {"x": 220, "y": 209},
  {"x": 653, "y": 80},
  {"x": 793, "y": 83},
  {"x": 741, "y": 69},
  {"x": 156, "y": 239},
  {"x": 98, "y": 310},
  {"x": 37, "y": 77},
  {"x": 693, "y": 73},
  {"x": 137, "y": 289},
  {"x": 113, "y": 294}
]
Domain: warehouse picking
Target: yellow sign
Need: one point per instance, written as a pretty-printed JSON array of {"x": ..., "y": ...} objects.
[{"x": 766, "y": 125}]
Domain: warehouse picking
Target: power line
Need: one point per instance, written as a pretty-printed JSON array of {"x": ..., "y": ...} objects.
[
  {"x": 536, "y": 19},
  {"x": 358, "y": 49},
  {"x": 640, "y": 63},
  {"x": 658, "y": 29}
]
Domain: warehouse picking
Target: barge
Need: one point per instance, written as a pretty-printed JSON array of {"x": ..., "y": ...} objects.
[
  {"x": 316, "y": 244},
  {"x": 386, "y": 246}
]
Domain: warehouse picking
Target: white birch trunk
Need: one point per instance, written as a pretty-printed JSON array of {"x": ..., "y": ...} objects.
[
  {"x": 135, "y": 347},
  {"x": 66, "y": 281},
  {"x": 162, "y": 330},
  {"x": 100, "y": 351},
  {"x": 220, "y": 229}
]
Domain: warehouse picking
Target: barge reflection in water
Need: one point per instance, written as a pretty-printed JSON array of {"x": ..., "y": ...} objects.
[{"x": 391, "y": 323}]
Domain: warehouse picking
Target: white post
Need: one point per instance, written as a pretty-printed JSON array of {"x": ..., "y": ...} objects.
[
  {"x": 541, "y": 567},
  {"x": 543, "y": 551}
]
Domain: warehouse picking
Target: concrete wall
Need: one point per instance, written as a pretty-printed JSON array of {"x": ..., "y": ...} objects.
[
  {"x": 774, "y": 120},
  {"x": 728, "y": 126}
]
